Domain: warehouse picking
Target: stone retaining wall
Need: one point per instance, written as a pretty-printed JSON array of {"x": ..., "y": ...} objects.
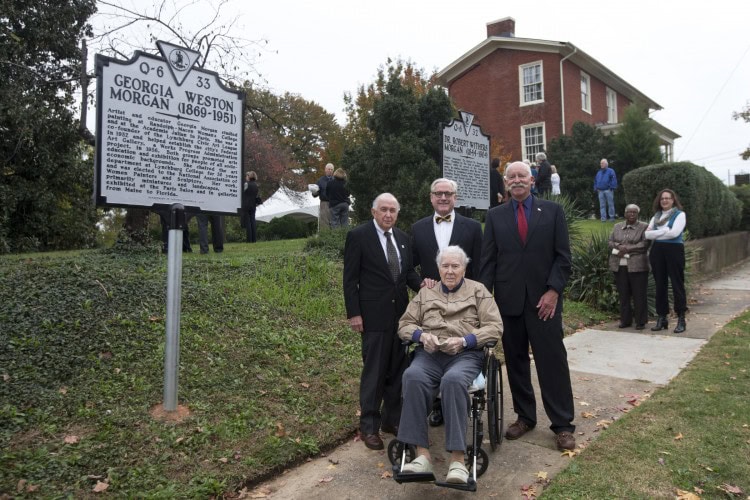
[{"x": 719, "y": 252}]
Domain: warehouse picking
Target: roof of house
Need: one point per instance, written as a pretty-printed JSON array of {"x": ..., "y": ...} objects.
[{"x": 566, "y": 49}]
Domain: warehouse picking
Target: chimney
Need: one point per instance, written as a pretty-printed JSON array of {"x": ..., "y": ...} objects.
[{"x": 502, "y": 27}]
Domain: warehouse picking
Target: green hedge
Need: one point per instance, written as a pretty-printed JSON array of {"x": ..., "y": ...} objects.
[
  {"x": 743, "y": 194},
  {"x": 711, "y": 208}
]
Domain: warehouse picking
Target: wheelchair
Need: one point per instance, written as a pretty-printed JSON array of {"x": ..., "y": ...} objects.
[{"x": 486, "y": 397}]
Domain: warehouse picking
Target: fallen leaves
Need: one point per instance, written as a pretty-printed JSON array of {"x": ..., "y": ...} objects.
[
  {"x": 71, "y": 439},
  {"x": 100, "y": 487},
  {"x": 587, "y": 414},
  {"x": 541, "y": 475},
  {"x": 386, "y": 475},
  {"x": 686, "y": 495},
  {"x": 569, "y": 453},
  {"x": 678, "y": 437},
  {"x": 603, "y": 424},
  {"x": 730, "y": 489},
  {"x": 528, "y": 491},
  {"x": 584, "y": 403},
  {"x": 280, "y": 432},
  {"x": 326, "y": 479},
  {"x": 24, "y": 486}
]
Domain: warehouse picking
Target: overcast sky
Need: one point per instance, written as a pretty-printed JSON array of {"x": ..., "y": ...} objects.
[{"x": 693, "y": 61}]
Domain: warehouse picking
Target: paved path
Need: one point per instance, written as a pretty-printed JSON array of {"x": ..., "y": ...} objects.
[{"x": 611, "y": 370}]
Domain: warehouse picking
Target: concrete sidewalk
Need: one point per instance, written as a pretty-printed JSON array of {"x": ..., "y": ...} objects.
[{"x": 612, "y": 370}]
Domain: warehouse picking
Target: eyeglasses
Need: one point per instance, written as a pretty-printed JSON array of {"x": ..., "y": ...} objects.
[{"x": 443, "y": 194}]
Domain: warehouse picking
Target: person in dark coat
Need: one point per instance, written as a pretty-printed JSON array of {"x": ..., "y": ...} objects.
[
  {"x": 250, "y": 199},
  {"x": 338, "y": 199},
  {"x": 377, "y": 270},
  {"x": 544, "y": 175},
  {"x": 526, "y": 261},
  {"x": 497, "y": 186}
]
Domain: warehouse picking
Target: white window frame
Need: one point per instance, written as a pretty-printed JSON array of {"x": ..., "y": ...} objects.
[
  {"x": 530, "y": 150},
  {"x": 585, "y": 92},
  {"x": 611, "y": 106},
  {"x": 521, "y": 85}
]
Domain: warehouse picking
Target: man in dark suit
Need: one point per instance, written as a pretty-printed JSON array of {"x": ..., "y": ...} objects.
[
  {"x": 377, "y": 269},
  {"x": 526, "y": 259},
  {"x": 444, "y": 228},
  {"x": 436, "y": 232}
]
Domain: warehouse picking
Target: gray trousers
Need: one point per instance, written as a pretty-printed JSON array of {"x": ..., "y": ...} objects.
[
  {"x": 324, "y": 216},
  {"x": 451, "y": 376}
]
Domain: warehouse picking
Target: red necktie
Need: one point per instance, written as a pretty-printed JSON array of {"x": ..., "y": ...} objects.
[{"x": 523, "y": 226}]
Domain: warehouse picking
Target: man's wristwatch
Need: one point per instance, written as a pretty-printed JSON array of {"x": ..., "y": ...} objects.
[{"x": 464, "y": 342}]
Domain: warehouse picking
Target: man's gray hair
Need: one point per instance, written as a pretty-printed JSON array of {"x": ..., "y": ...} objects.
[
  {"x": 634, "y": 207},
  {"x": 454, "y": 184},
  {"x": 541, "y": 157},
  {"x": 523, "y": 163},
  {"x": 383, "y": 196},
  {"x": 453, "y": 250}
]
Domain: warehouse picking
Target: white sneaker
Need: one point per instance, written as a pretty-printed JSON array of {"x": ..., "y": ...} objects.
[
  {"x": 418, "y": 465},
  {"x": 457, "y": 473}
]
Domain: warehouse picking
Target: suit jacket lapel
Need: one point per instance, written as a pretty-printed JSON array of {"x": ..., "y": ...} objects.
[
  {"x": 458, "y": 228},
  {"x": 536, "y": 214}
]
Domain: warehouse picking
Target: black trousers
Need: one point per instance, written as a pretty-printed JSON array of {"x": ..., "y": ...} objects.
[
  {"x": 384, "y": 360},
  {"x": 668, "y": 262},
  {"x": 632, "y": 287},
  {"x": 551, "y": 359}
]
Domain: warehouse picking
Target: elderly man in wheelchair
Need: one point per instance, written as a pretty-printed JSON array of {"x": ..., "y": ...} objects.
[{"x": 450, "y": 324}]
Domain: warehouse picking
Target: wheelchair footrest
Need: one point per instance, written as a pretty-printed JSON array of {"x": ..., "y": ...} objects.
[
  {"x": 470, "y": 485},
  {"x": 412, "y": 477}
]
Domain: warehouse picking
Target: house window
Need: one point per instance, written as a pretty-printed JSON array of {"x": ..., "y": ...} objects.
[
  {"x": 530, "y": 76},
  {"x": 585, "y": 92},
  {"x": 611, "y": 106},
  {"x": 532, "y": 138}
]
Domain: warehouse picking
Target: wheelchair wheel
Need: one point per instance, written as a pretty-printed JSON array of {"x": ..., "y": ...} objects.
[
  {"x": 494, "y": 403},
  {"x": 396, "y": 450},
  {"x": 483, "y": 460}
]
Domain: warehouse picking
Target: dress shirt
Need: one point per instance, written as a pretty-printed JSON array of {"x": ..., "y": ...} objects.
[
  {"x": 384, "y": 242},
  {"x": 444, "y": 230}
]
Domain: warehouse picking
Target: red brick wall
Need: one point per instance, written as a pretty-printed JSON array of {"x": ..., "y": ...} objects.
[{"x": 490, "y": 90}]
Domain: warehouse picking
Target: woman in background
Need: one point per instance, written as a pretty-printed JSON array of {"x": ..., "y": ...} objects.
[
  {"x": 628, "y": 260},
  {"x": 555, "y": 178},
  {"x": 667, "y": 257},
  {"x": 338, "y": 199}
]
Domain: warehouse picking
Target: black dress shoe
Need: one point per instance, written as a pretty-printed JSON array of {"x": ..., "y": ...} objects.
[
  {"x": 436, "y": 417},
  {"x": 373, "y": 441},
  {"x": 640, "y": 327},
  {"x": 624, "y": 325}
]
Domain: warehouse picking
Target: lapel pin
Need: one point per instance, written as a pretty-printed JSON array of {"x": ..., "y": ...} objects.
[{"x": 538, "y": 209}]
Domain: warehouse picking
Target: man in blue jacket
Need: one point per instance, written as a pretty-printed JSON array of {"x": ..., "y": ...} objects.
[{"x": 605, "y": 184}]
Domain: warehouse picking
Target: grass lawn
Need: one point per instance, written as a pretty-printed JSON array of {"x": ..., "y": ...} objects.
[
  {"x": 690, "y": 437},
  {"x": 268, "y": 369}
]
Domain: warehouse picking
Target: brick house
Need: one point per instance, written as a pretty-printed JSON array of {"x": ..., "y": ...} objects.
[{"x": 525, "y": 92}]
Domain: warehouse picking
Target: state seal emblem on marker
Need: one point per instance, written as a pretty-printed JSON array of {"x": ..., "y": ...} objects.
[{"x": 179, "y": 60}]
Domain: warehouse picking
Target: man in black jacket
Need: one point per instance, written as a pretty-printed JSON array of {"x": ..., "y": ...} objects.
[
  {"x": 437, "y": 231},
  {"x": 377, "y": 269},
  {"x": 544, "y": 175},
  {"x": 497, "y": 186}
]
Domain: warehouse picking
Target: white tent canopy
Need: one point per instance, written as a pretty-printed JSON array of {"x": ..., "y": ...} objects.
[{"x": 285, "y": 201}]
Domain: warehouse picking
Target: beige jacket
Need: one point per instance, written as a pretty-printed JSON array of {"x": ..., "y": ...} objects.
[
  {"x": 471, "y": 309},
  {"x": 634, "y": 244}
]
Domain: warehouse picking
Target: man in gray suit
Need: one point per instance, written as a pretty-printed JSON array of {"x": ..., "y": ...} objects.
[{"x": 526, "y": 260}]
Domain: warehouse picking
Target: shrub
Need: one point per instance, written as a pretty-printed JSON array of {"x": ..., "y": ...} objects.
[
  {"x": 710, "y": 207},
  {"x": 328, "y": 243},
  {"x": 743, "y": 194},
  {"x": 285, "y": 228},
  {"x": 591, "y": 280}
]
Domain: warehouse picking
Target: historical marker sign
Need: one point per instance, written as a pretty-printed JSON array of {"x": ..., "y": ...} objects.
[
  {"x": 466, "y": 160},
  {"x": 167, "y": 133}
]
